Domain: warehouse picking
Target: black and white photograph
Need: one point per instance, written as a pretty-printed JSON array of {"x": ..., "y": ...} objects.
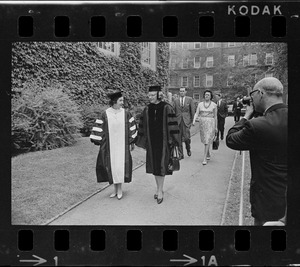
[{"x": 149, "y": 133}]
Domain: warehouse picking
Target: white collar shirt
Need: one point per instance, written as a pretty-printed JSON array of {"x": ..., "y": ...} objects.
[{"x": 182, "y": 101}]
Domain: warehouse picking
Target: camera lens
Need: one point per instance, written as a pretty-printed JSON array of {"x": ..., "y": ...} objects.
[{"x": 246, "y": 101}]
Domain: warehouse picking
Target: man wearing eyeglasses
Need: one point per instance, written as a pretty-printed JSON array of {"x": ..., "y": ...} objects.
[{"x": 266, "y": 139}]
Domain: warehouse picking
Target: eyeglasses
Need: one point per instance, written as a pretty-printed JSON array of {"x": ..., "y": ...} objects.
[{"x": 253, "y": 92}]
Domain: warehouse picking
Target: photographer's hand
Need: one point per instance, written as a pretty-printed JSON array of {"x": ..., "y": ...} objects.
[{"x": 249, "y": 112}]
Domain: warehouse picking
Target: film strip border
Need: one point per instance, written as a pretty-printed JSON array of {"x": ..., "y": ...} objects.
[
  {"x": 151, "y": 245},
  {"x": 134, "y": 26},
  {"x": 144, "y": 21},
  {"x": 145, "y": 246}
]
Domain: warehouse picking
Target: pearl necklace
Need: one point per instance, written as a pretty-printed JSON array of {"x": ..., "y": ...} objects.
[{"x": 208, "y": 104}]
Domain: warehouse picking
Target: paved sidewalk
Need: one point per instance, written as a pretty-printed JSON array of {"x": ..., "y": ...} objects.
[{"x": 195, "y": 195}]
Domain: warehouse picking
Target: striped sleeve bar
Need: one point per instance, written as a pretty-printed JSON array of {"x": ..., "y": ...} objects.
[
  {"x": 132, "y": 129},
  {"x": 97, "y": 132},
  {"x": 173, "y": 128}
]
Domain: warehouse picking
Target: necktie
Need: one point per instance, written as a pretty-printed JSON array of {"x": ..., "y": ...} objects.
[{"x": 182, "y": 101}]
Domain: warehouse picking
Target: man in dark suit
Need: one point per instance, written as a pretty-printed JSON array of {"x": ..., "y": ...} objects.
[
  {"x": 185, "y": 110},
  {"x": 237, "y": 109},
  {"x": 266, "y": 139},
  {"x": 222, "y": 114}
]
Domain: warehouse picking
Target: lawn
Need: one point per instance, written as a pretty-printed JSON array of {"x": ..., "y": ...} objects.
[
  {"x": 46, "y": 183},
  {"x": 233, "y": 203}
]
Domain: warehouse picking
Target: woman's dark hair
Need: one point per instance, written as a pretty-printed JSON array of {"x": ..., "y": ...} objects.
[
  {"x": 113, "y": 101},
  {"x": 208, "y": 91}
]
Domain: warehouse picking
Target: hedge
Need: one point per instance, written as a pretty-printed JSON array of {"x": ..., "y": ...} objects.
[{"x": 43, "y": 119}]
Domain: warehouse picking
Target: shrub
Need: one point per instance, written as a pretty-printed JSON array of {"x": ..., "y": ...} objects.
[{"x": 43, "y": 119}]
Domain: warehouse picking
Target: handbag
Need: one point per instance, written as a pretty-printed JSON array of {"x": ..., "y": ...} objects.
[
  {"x": 174, "y": 164},
  {"x": 215, "y": 144}
]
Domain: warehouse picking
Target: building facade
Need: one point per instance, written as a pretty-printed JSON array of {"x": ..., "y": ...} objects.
[{"x": 228, "y": 67}]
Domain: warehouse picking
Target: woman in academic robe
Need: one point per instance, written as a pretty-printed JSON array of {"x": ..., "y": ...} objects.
[
  {"x": 158, "y": 132},
  {"x": 115, "y": 132}
]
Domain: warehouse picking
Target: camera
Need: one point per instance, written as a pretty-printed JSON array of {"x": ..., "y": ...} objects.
[{"x": 246, "y": 100}]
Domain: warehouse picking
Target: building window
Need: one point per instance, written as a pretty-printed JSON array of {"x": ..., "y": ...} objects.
[
  {"x": 229, "y": 81},
  {"x": 173, "y": 45},
  {"x": 197, "y": 45},
  {"x": 269, "y": 59},
  {"x": 231, "y": 44},
  {"x": 245, "y": 60},
  {"x": 197, "y": 61},
  {"x": 209, "y": 80},
  {"x": 209, "y": 62},
  {"x": 231, "y": 60},
  {"x": 210, "y": 45},
  {"x": 184, "y": 81},
  {"x": 196, "y": 96},
  {"x": 196, "y": 81},
  {"x": 190, "y": 63},
  {"x": 110, "y": 48},
  {"x": 185, "y": 45},
  {"x": 185, "y": 63},
  {"x": 172, "y": 63},
  {"x": 253, "y": 59},
  {"x": 148, "y": 55},
  {"x": 269, "y": 75}
]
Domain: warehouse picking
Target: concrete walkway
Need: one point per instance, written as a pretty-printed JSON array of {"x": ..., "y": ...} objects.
[{"x": 195, "y": 195}]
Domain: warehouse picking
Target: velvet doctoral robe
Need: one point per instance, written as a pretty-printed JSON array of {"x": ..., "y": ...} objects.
[{"x": 170, "y": 136}]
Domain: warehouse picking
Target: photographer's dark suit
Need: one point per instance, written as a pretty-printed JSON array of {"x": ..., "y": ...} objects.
[
  {"x": 185, "y": 114},
  {"x": 266, "y": 139},
  {"x": 237, "y": 109},
  {"x": 222, "y": 114}
]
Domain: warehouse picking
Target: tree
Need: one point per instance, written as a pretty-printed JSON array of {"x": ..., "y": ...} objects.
[{"x": 242, "y": 77}]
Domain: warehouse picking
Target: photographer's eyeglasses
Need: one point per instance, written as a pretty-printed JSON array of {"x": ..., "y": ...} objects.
[{"x": 253, "y": 92}]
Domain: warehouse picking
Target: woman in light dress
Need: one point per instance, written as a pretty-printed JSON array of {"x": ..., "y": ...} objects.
[
  {"x": 207, "y": 114},
  {"x": 115, "y": 132}
]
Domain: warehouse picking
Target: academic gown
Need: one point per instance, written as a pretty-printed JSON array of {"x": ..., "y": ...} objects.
[
  {"x": 114, "y": 161},
  {"x": 158, "y": 140}
]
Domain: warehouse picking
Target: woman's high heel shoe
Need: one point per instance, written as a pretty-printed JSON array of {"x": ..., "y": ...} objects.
[
  {"x": 119, "y": 195},
  {"x": 204, "y": 163},
  {"x": 113, "y": 195},
  {"x": 160, "y": 200}
]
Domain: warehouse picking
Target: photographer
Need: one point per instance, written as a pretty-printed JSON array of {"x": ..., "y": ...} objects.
[{"x": 266, "y": 139}]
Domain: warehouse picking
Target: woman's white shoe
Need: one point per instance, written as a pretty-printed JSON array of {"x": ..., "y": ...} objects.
[{"x": 113, "y": 195}]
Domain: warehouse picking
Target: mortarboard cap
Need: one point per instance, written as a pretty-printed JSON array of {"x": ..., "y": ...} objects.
[
  {"x": 115, "y": 95},
  {"x": 154, "y": 88}
]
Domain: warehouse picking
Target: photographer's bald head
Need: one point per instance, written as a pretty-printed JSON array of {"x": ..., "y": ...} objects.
[{"x": 265, "y": 93}]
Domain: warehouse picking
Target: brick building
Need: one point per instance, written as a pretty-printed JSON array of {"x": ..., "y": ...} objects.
[{"x": 228, "y": 67}]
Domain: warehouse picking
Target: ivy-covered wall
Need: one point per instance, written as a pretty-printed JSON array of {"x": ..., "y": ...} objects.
[{"x": 86, "y": 73}]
